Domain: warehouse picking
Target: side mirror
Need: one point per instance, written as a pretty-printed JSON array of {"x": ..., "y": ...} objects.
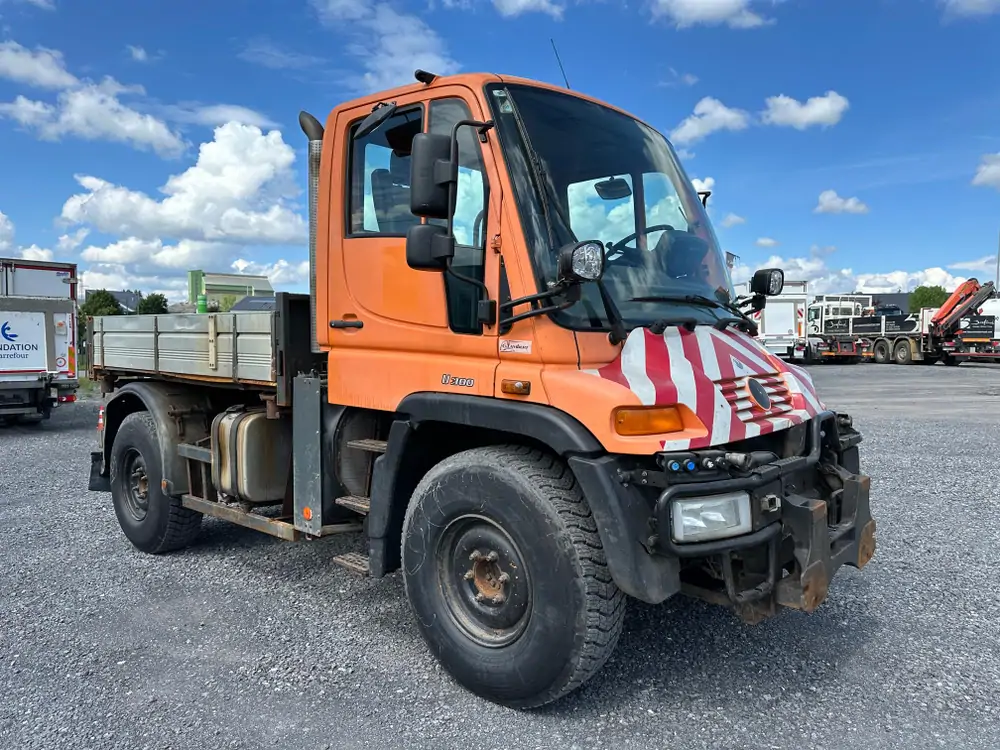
[
  {"x": 768, "y": 282},
  {"x": 582, "y": 261},
  {"x": 429, "y": 247},
  {"x": 380, "y": 114},
  {"x": 431, "y": 171}
]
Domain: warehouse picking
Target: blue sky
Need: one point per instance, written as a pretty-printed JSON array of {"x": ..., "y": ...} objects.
[{"x": 856, "y": 143}]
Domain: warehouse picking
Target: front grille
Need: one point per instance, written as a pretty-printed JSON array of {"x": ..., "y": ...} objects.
[{"x": 736, "y": 393}]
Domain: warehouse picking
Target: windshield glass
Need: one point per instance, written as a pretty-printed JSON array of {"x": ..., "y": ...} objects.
[{"x": 598, "y": 174}]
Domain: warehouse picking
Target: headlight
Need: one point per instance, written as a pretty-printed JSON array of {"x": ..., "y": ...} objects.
[{"x": 700, "y": 519}]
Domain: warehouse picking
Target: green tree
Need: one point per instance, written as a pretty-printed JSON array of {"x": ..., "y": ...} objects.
[
  {"x": 153, "y": 304},
  {"x": 927, "y": 296},
  {"x": 227, "y": 302},
  {"x": 97, "y": 303}
]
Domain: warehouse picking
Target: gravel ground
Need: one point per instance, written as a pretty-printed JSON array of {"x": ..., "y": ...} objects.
[{"x": 247, "y": 642}]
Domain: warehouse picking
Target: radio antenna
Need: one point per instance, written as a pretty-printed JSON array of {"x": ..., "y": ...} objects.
[{"x": 561, "y": 69}]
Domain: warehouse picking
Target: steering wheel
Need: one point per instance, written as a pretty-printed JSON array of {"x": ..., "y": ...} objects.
[{"x": 619, "y": 246}]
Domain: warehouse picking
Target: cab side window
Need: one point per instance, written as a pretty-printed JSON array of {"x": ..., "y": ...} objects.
[
  {"x": 471, "y": 207},
  {"x": 379, "y": 203}
]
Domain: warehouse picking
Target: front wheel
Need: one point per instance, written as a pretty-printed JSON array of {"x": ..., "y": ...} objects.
[
  {"x": 152, "y": 520},
  {"x": 903, "y": 354},
  {"x": 506, "y": 574}
]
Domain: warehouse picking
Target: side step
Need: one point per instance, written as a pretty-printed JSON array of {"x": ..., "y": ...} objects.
[
  {"x": 353, "y": 562},
  {"x": 356, "y": 503},
  {"x": 367, "y": 444}
]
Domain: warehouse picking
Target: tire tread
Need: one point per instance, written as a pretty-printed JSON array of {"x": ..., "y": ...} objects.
[{"x": 605, "y": 603}]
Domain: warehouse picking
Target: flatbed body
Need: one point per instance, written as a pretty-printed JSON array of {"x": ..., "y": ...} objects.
[{"x": 249, "y": 350}]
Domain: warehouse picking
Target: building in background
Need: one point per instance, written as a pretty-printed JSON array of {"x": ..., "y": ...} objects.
[
  {"x": 217, "y": 286},
  {"x": 128, "y": 300}
]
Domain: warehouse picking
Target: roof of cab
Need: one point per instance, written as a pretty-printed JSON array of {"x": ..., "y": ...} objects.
[{"x": 473, "y": 81}]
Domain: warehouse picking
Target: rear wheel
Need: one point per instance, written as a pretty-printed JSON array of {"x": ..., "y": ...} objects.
[
  {"x": 952, "y": 361},
  {"x": 152, "y": 520},
  {"x": 504, "y": 569},
  {"x": 902, "y": 353},
  {"x": 880, "y": 353}
]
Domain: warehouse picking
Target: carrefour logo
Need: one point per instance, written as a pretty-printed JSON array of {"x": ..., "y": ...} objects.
[{"x": 10, "y": 348}]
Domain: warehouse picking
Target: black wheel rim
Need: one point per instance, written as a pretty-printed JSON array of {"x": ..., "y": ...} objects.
[
  {"x": 485, "y": 582},
  {"x": 136, "y": 490}
]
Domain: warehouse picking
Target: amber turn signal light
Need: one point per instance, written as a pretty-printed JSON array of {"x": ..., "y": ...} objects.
[
  {"x": 646, "y": 420},
  {"x": 516, "y": 387}
]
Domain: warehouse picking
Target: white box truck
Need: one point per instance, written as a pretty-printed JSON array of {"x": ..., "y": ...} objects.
[
  {"x": 781, "y": 324},
  {"x": 38, "y": 369}
]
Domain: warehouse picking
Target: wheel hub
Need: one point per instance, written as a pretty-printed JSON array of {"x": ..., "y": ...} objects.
[
  {"x": 484, "y": 580},
  {"x": 137, "y": 486}
]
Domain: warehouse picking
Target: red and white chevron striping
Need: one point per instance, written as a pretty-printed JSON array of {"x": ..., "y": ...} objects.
[{"x": 707, "y": 370}]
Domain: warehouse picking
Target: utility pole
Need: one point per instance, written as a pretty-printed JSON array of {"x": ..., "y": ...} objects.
[{"x": 998, "y": 264}]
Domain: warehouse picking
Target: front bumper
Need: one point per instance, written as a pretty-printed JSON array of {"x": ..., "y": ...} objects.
[{"x": 811, "y": 517}]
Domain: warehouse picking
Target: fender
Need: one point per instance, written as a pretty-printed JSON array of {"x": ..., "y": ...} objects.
[
  {"x": 181, "y": 416},
  {"x": 621, "y": 514},
  {"x": 547, "y": 425}
]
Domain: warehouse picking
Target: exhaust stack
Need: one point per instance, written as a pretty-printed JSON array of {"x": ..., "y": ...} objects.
[{"x": 314, "y": 132}]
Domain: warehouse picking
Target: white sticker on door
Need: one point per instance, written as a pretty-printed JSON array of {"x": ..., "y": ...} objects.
[{"x": 513, "y": 345}]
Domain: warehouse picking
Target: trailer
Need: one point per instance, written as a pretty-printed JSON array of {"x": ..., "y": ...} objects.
[
  {"x": 509, "y": 415},
  {"x": 38, "y": 369},
  {"x": 781, "y": 325}
]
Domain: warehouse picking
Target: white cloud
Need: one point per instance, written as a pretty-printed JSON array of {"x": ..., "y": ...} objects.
[
  {"x": 34, "y": 252},
  {"x": 831, "y": 203},
  {"x": 766, "y": 242},
  {"x": 281, "y": 272},
  {"x": 118, "y": 277},
  {"x": 710, "y": 115},
  {"x": 987, "y": 264},
  {"x": 234, "y": 193},
  {"x": 988, "y": 172},
  {"x": 685, "y": 13},
  {"x": 511, "y": 8},
  {"x": 265, "y": 53},
  {"x": 731, "y": 220},
  {"x": 389, "y": 45},
  {"x": 6, "y": 232},
  {"x": 213, "y": 115},
  {"x": 42, "y": 67},
  {"x": 823, "y": 110},
  {"x": 69, "y": 242},
  {"x": 702, "y": 185},
  {"x": 7, "y": 246},
  {"x": 138, "y": 53},
  {"x": 970, "y": 8},
  {"x": 826, "y": 279},
  {"x": 94, "y": 112},
  {"x": 43, "y": 4}
]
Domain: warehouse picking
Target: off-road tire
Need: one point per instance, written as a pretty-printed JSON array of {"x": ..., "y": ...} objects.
[
  {"x": 576, "y": 611},
  {"x": 901, "y": 353},
  {"x": 166, "y": 525}
]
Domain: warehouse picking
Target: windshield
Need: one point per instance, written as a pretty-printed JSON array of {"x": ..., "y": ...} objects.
[{"x": 601, "y": 175}]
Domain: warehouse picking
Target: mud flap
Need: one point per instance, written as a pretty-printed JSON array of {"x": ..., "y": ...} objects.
[{"x": 98, "y": 482}]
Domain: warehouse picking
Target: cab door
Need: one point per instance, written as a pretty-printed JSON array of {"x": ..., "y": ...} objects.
[{"x": 395, "y": 330}]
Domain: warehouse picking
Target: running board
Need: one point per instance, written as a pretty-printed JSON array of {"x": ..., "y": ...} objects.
[
  {"x": 353, "y": 562},
  {"x": 356, "y": 503},
  {"x": 271, "y": 526},
  {"x": 368, "y": 444}
]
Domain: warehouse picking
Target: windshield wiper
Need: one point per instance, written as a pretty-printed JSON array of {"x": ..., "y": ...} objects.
[{"x": 740, "y": 319}]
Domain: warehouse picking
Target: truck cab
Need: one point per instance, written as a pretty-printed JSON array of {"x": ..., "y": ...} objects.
[{"x": 525, "y": 383}]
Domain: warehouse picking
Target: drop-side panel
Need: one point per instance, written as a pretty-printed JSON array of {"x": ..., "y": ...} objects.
[{"x": 233, "y": 347}]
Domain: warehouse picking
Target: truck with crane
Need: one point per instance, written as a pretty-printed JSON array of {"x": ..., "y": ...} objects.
[
  {"x": 954, "y": 333},
  {"x": 37, "y": 338},
  {"x": 488, "y": 391}
]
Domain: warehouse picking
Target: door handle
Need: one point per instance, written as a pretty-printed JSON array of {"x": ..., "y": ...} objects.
[{"x": 346, "y": 324}]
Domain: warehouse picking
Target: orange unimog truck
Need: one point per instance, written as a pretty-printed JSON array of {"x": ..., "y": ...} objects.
[{"x": 520, "y": 376}]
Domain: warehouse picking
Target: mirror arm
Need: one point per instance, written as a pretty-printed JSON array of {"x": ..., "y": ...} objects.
[
  {"x": 536, "y": 311},
  {"x": 553, "y": 292}
]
